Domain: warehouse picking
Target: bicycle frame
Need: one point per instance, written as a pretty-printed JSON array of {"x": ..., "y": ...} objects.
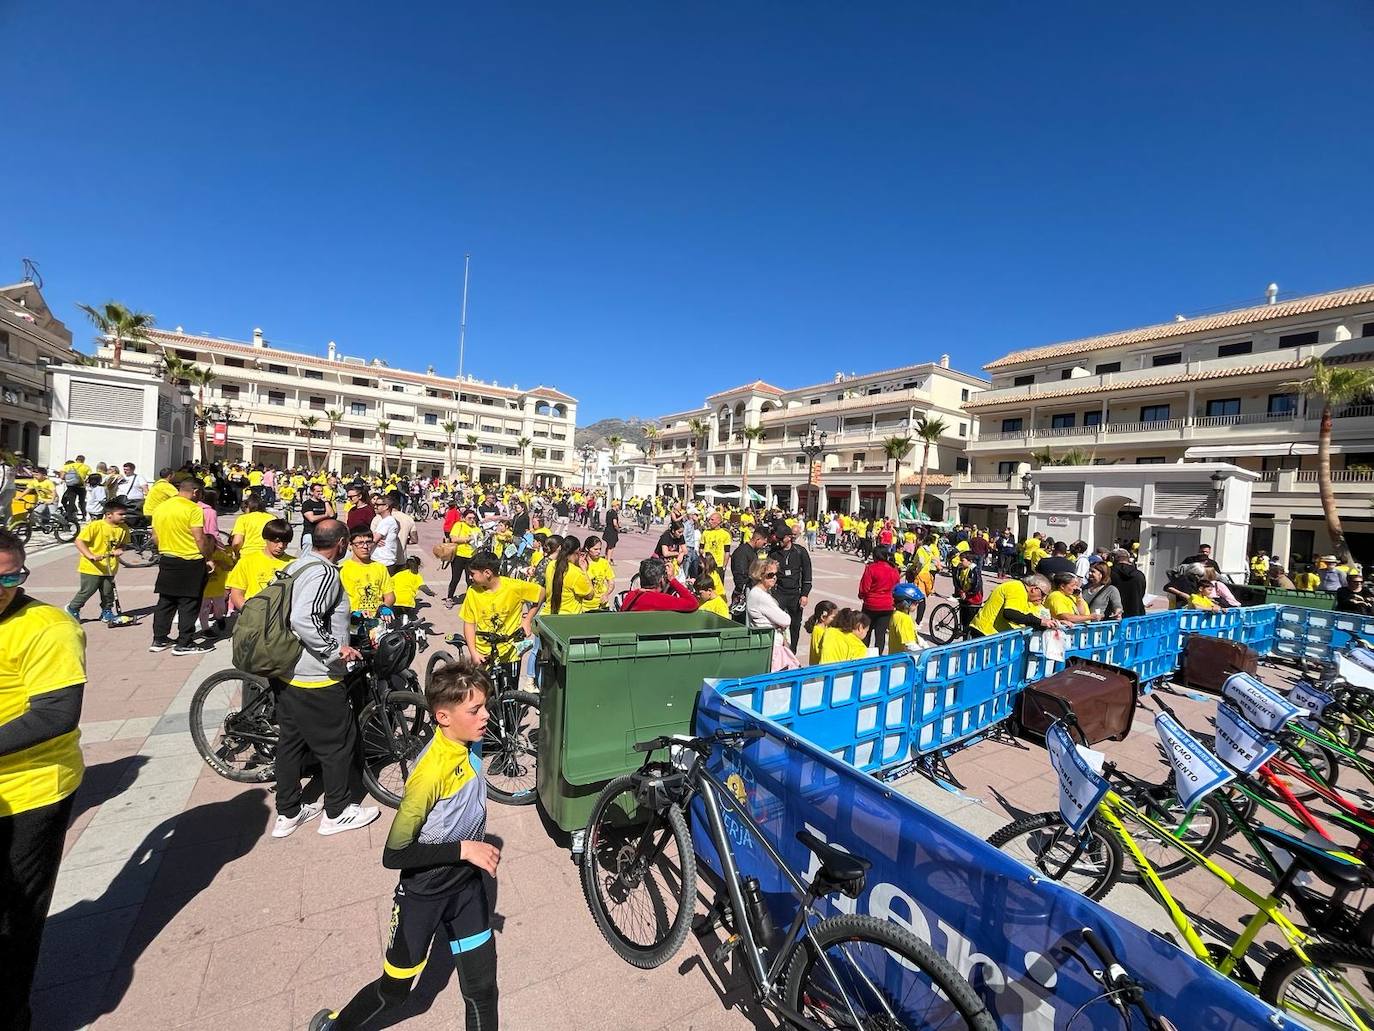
[{"x": 1346, "y": 755}]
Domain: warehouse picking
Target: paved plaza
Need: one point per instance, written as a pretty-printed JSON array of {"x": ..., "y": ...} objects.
[{"x": 175, "y": 910}]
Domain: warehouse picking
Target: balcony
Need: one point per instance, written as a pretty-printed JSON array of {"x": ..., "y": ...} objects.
[
  {"x": 905, "y": 398},
  {"x": 1213, "y": 428}
]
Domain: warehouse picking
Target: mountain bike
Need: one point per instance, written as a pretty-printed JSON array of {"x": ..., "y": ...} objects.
[
  {"x": 234, "y": 719},
  {"x": 639, "y": 874},
  {"x": 946, "y": 624},
  {"x": 54, "y": 521}
]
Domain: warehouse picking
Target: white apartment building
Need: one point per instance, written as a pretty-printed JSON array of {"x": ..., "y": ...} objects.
[
  {"x": 268, "y": 391},
  {"x": 857, "y": 413},
  {"x": 1214, "y": 388},
  {"x": 32, "y": 340}
]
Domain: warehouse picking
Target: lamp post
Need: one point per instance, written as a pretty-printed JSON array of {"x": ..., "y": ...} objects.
[
  {"x": 811, "y": 447},
  {"x": 587, "y": 452}
]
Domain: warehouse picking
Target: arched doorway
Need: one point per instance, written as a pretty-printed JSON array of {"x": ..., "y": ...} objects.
[{"x": 1115, "y": 518}]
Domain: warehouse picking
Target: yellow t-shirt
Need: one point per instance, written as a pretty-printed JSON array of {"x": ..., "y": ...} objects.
[
  {"x": 714, "y": 542},
  {"x": 717, "y": 606},
  {"x": 1061, "y": 604},
  {"x": 407, "y": 586},
  {"x": 1307, "y": 581},
  {"x": 366, "y": 583},
  {"x": 255, "y": 478},
  {"x": 217, "y": 582},
  {"x": 577, "y": 590},
  {"x": 462, "y": 535},
  {"x": 1010, "y": 595},
  {"x": 172, "y": 525},
  {"x": 44, "y": 490},
  {"x": 159, "y": 492},
  {"x": 498, "y": 610},
  {"x": 1201, "y": 601},
  {"x": 42, "y": 649},
  {"x": 101, "y": 537},
  {"x": 255, "y": 570},
  {"x": 817, "y": 636},
  {"x": 602, "y": 574},
  {"x": 900, "y": 632},
  {"x": 250, "y": 524},
  {"x": 841, "y": 646}
]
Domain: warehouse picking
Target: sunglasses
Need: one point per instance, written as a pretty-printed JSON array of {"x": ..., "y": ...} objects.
[
  {"x": 14, "y": 579},
  {"x": 770, "y": 576}
]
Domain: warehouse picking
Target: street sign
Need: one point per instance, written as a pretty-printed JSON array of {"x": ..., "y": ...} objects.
[{"x": 221, "y": 433}]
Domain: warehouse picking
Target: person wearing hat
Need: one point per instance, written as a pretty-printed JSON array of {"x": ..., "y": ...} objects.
[
  {"x": 1354, "y": 597},
  {"x": 792, "y": 589},
  {"x": 1329, "y": 576}
]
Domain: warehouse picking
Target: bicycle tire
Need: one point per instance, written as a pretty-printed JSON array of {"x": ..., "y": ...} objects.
[
  {"x": 611, "y": 830},
  {"x": 807, "y": 986},
  {"x": 259, "y": 774},
  {"x": 23, "y": 530},
  {"x": 441, "y": 657},
  {"x": 380, "y": 749},
  {"x": 140, "y": 554},
  {"x": 1283, "y": 973},
  {"x": 502, "y": 756},
  {"x": 1324, "y": 762},
  {"x": 1098, "y": 876},
  {"x": 944, "y": 622},
  {"x": 65, "y": 530},
  {"x": 1217, "y": 831},
  {"x": 1343, "y": 727}
]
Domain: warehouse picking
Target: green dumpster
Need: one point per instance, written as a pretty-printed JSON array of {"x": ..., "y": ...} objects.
[
  {"x": 611, "y": 679},
  {"x": 1256, "y": 594}
]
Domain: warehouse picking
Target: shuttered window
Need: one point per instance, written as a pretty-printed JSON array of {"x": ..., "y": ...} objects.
[
  {"x": 106, "y": 403},
  {"x": 1185, "y": 500},
  {"x": 1061, "y": 497}
]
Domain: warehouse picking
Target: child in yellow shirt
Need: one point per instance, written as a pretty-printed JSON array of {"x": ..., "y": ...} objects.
[
  {"x": 844, "y": 641},
  {"x": 817, "y": 625},
  {"x": 710, "y": 599},
  {"x": 901, "y": 632},
  {"x": 407, "y": 585},
  {"x": 214, "y": 600}
]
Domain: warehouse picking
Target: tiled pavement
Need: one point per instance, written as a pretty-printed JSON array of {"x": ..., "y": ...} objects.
[{"x": 175, "y": 910}]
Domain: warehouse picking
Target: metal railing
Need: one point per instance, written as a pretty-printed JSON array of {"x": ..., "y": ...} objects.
[{"x": 1338, "y": 476}]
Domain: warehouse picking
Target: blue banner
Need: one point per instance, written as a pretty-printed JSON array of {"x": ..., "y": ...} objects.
[
  {"x": 1012, "y": 933},
  {"x": 1258, "y": 703},
  {"x": 1197, "y": 772},
  {"x": 1081, "y": 787}
]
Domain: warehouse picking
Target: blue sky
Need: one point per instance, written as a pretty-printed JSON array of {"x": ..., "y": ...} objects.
[{"x": 662, "y": 201}]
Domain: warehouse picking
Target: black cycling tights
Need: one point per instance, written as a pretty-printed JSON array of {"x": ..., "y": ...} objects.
[{"x": 476, "y": 980}]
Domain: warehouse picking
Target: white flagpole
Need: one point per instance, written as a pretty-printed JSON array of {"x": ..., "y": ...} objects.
[{"x": 462, "y": 344}]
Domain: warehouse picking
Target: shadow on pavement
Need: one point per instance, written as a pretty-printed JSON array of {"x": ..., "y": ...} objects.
[{"x": 105, "y": 781}]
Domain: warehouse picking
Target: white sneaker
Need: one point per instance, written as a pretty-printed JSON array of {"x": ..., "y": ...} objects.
[
  {"x": 352, "y": 818},
  {"x": 286, "y": 825}
]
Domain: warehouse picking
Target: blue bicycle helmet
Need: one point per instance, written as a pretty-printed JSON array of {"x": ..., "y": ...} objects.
[{"x": 908, "y": 592}]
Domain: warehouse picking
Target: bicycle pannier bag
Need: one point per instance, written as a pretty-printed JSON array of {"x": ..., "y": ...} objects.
[
  {"x": 1101, "y": 697},
  {"x": 1209, "y": 661},
  {"x": 263, "y": 640}
]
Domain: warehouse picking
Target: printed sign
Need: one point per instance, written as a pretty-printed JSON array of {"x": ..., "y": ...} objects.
[
  {"x": 817, "y": 472},
  {"x": 1056, "y": 520},
  {"x": 1308, "y": 697},
  {"x": 1197, "y": 772},
  {"x": 221, "y": 432},
  {"x": 1081, "y": 787},
  {"x": 1262, "y": 706},
  {"x": 1240, "y": 745}
]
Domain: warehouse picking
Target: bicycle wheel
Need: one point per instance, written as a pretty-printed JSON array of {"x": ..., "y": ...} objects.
[
  {"x": 1206, "y": 830},
  {"x": 883, "y": 975},
  {"x": 944, "y": 622},
  {"x": 234, "y": 726},
  {"x": 509, "y": 747},
  {"x": 1045, "y": 843},
  {"x": 1338, "y": 976},
  {"x": 639, "y": 875},
  {"x": 65, "y": 530},
  {"x": 1325, "y": 765},
  {"x": 441, "y": 657},
  {"x": 23, "y": 529},
  {"x": 140, "y": 552},
  {"x": 392, "y": 742},
  {"x": 1345, "y": 727}
]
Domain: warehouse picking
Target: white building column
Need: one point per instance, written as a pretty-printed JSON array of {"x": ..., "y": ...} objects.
[
  {"x": 1283, "y": 540},
  {"x": 854, "y": 499},
  {"x": 794, "y": 498}
]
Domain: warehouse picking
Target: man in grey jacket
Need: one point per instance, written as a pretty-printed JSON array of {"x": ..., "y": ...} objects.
[{"x": 313, "y": 712}]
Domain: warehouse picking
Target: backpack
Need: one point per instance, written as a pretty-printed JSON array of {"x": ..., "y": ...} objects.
[
  {"x": 71, "y": 478},
  {"x": 264, "y": 643}
]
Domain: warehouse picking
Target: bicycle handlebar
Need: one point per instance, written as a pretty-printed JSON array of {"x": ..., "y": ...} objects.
[
  {"x": 1117, "y": 980},
  {"x": 701, "y": 745}
]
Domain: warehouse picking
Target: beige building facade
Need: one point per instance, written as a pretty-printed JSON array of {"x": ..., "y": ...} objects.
[{"x": 32, "y": 340}]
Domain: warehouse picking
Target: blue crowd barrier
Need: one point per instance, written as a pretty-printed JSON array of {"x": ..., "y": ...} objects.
[
  {"x": 1085, "y": 641},
  {"x": 1317, "y": 634},
  {"x": 1011, "y": 933}
]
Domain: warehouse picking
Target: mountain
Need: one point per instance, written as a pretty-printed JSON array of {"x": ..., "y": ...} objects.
[{"x": 598, "y": 433}]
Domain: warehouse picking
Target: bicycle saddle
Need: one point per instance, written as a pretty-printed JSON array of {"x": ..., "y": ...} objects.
[
  {"x": 840, "y": 870},
  {"x": 1331, "y": 867}
]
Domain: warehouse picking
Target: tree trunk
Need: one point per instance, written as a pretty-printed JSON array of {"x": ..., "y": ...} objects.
[
  {"x": 921, "y": 495},
  {"x": 117, "y": 354},
  {"x": 1328, "y": 495},
  {"x": 897, "y": 493},
  {"x": 744, "y": 478}
]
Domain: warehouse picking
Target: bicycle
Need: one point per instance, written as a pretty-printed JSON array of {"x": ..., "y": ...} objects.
[
  {"x": 639, "y": 875},
  {"x": 234, "y": 726},
  {"x": 510, "y": 746},
  {"x": 946, "y": 622},
  {"x": 53, "y": 521}
]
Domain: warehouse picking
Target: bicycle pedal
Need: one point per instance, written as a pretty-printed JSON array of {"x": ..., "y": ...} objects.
[{"x": 726, "y": 947}]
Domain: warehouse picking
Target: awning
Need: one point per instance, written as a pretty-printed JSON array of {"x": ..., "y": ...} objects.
[{"x": 1252, "y": 450}]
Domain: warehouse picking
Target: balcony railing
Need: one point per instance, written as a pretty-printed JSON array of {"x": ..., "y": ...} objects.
[
  {"x": 1195, "y": 422},
  {"x": 1338, "y": 476}
]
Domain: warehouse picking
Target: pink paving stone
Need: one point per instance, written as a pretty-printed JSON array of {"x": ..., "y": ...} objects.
[
  {"x": 160, "y": 991},
  {"x": 243, "y": 961}
]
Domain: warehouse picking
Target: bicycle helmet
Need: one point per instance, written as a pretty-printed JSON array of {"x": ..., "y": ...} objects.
[
  {"x": 908, "y": 592},
  {"x": 395, "y": 652}
]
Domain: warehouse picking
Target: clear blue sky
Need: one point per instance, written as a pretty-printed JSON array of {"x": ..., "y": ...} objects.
[{"x": 665, "y": 200}]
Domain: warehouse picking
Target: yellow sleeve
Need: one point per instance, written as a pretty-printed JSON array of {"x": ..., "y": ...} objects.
[{"x": 55, "y": 658}]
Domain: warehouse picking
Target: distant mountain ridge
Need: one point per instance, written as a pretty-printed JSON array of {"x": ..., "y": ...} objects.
[{"x": 598, "y": 434}]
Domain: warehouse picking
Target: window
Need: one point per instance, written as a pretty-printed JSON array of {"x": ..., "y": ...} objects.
[
  {"x": 1023, "y": 381},
  {"x": 963, "y": 429},
  {"x": 1172, "y": 358},
  {"x": 912, "y": 384},
  {"x": 276, "y": 397},
  {"x": 1011, "y": 425},
  {"x": 1062, "y": 421},
  {"x": 355, "y": 436},
  {"x": 874, "y": 390},
  {"x": 557, "y": 456},
  {"x": 1065, "y": 373},
  {"x": 1006, "y": 468},
  {"x": 1298, "y": 339},
  {"x": 1154, "y": 413},
  {"x": 396, "y": 388},
  {"x": 1093, "y": 418},
  {"x": 312, "y": 374},
  {"x": 317, "y": 403},
  {"x": 963, "y": 393},
  {"x": 357, "y": 408},
  {"x": 229, "y": 391},
  {"x": 1283, "y": 404},
  {"x": 488, "y": 428},
  {"x": 813, "y": 400},
  {"x": 1271, "y": 462},
  {"x": 1227, "y": 350},
  {"x": 5, "y": 344},
  {"x": 431, "y": 419},
  {"x": 280, "y": 370},
  {"x": 1106, "y": 367},
  {"x": 1223, "y": 406},
  {"x": 361, "y": 381},
  {"x": 186, "y": 355},
  {"x": 1155, "y": 460},
  {"x": 234, "y": 363},
  {"x": 961, "y": 465},
  {"x": 1367, "y": 330}
]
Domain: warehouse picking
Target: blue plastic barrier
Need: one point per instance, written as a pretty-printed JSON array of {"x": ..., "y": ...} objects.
[
  {"x": 1317, "y": 634},
  {"x": 1008, "y": 931},
  {"x": 1085, "y": 641},
  {"x": 1257, "y": 627},
  {"x": 1149, "y": 645}
]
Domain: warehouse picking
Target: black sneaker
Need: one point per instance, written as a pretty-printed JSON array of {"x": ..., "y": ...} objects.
[
  {"x": 194, "y": 648},
  {"x": 159, "y": 646}
]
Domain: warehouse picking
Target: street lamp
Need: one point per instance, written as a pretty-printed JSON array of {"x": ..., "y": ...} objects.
[
  {"x": 587, "y": 452},
  {"x": 811, "y": 447}
]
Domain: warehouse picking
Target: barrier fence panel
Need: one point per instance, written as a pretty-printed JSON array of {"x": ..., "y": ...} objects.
[
  {"x": 1011, "y": 933},
  {"x": 1317, "y": 635},
  {"x": 1085, "y": 641}
]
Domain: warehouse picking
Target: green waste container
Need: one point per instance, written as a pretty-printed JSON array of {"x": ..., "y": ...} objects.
[
  {"x": 611, "y": 679},
  {"x": 1255, "y": 594}
]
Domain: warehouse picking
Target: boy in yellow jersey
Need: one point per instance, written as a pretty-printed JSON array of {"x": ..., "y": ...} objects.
[
  {"x": 1013, "y": 603},
  {"x": 159, "y": 492},
  {"x": 368, "y": 583},
  {"x": 407, "y": 585},
  {"x": 499, "y": 605},
  {"x": 844, "y": 640},
  {"x": 256, "y": 569},
  {"x": 248, "y": 527},
  {"x": 44, "y": 494},
  {"x": 601, "y": 573},
  {"x": 708, "y": 597},
  {"x": 100, "y": 543},
  {"x": 901, "y": 632}
]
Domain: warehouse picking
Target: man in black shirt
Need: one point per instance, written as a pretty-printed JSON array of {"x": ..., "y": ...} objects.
[
  {"x": 1057, "y": 562},
  {"x": 743, "y": 557},
  {"x": 1129, "y": 583},
  {"x": 793, "y": 586},
  {"x": 1353, "y": 597},
  {"x": 1203, "y": 557},
  {"x": 314, "y": 508}
]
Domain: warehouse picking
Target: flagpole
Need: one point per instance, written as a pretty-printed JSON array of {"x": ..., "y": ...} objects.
[{"x": 462, "y": 344}]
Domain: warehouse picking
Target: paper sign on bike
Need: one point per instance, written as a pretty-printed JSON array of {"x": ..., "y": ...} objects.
[
  {"x": 1197, "y": 772},
  {"x": 1308, "y": 697},
  {"x": 1262, "y": 706},
  {"x": 1356, "y": 667},
  {"x": 1239, "y": 744},
  {"x": 1081, "y": 787}
]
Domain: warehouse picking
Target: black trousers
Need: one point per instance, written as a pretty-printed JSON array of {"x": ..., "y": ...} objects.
[
  {"x": 457, "y": 565},
  {"x": 180, "y": 584},
  {"x": 791, "y": 604},
  {"x": 878, "y": 623},
  {"x": 74, "y": 500},
  {"x": 318, "y": 720},
  {"x": 30, "y": 852}
]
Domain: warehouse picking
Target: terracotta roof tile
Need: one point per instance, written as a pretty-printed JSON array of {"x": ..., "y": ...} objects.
[
  {"x": 932, "y": 480},
  {"x": 758, "y": 385},
  {"x": 1202, "y": 324}
]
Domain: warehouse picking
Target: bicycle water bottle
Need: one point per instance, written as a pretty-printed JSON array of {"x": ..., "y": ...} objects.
[{"x": 758, "y": 912}]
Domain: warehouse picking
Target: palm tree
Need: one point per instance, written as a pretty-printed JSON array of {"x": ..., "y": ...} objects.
[
  {"x": 175, "y": 369},
  {"x": 308, "y": 423},
  {"x": 472, "y": 457},
  {"x": 897, "y": 448},
  {"x": 1073, "y": 456},
  {"x": 382, "y": 426},
  {"x": 614, "y": 442},
  {"x": 202, "y": 377},
  {"x": 928, "y": 431},
  {"x": 751, "y": 434},
  {"x": 335, "y": 416},
  {"x": 1331, "y": 388},
  {"x": 697, "y": 430},
  {"x": 450, "y": 428},
  {"x": 650, "y": 441},
  {"x": 524, "y": 445},
  {"x": 120, "y": 325}
]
